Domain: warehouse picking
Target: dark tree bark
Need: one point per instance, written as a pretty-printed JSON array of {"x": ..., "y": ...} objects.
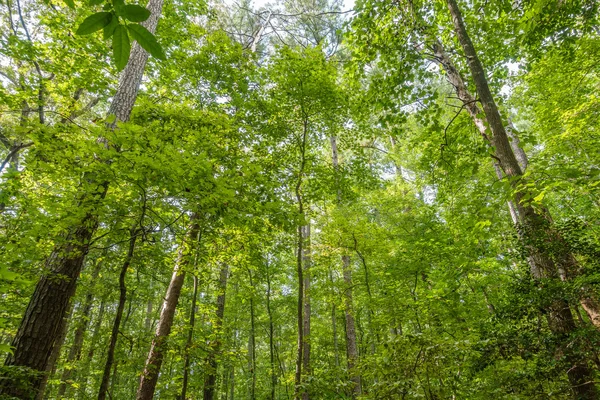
[
  {"x": 155, "y": 356},
  {"x": 41, "y": 325},
  {"x": 188, "y": 345},
  {"x": 535, "y": 226},
  {"x": 114, "y": 336},
  {"x": 210, "y": 378}
]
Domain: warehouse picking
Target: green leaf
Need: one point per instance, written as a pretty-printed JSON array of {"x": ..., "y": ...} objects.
[
  {"x": 135, "y": 13},
  {"x": 121, "y": 47},
  {"x": 109, "y": 29},
  {"x": 70, "y": 3},
  {"x": 5, "y": 348},
  {"x": 94, "y": 23},
  {"x": 146, "y": 40},
  {"x": 95, "y": 2}
]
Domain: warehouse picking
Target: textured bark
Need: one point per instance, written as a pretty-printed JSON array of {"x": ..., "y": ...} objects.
[
  {"x": 306, "y": 264},
  {"x": 131, "y": 77},
  {"x": 210, "y": 378},
  {"x": 74, "y": 354},
  {"x": 117, "y": 322},
  {"x": 43, "y": 320},
  {"x": 41, "y": 325},
  {"x": 351, "y": 347},
  {"x": 155, "y": 356},
  {"x": 190, "y": 338},
  {"x": 535, "y": 226}
]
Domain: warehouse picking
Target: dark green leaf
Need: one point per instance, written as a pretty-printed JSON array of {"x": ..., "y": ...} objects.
[
  {"x": 146, "y": 40},
  {"x": 135, "y": 13},
  {"x": 94, "y": 23},
  {"x": 110, "y": 28},
  {"x": 121, "y": 47},
  {"x": 95, "y": 2},
  {"x": 70, "y": 3}
]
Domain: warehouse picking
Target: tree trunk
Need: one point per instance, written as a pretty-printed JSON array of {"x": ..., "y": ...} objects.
[
  {"x": 75, "y": 350},
  {"x": 117, "y": 322},
  {"x": 252, "y": 342},
  {"x": 535, "y": 226},
  {"x": 271, "y": 337},
  {"x": 351, "y": 347},
  {"x": 190, "y": 338},
  {"x": 91, "y": 351},
  {"x": 215, "y": 347},
  {"x": 155, "y": 356},
  {"x": 306, "y": 260},
  {"x": 41, "y": 325}
]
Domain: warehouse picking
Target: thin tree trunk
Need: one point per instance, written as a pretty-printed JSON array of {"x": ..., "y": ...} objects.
[
  {"x": 155, "y": 356},
  {"x": 334, "y": 325},
  {"x": 559, "y": 314},
  {"x": 190, "y": 338},
  {"x": 133, "y": 233},
  {"x": 75, "y": 350},
  {"x": 55, "y": 354},
  {"x": 306, "y": 261},
  {"x": 215, "y": 347},
  {"x": 351, "y": 347},
  {"x": 271, "y": 337},
  {"x": 92, "y": 349},
  {"x": 41, "y": 325},
  {"x": 252, "y": 342}
]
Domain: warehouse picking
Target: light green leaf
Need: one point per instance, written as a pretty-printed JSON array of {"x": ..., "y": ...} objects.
[
  {"x": 146, "y": 40},
  {"x": 121, "y": 47},
  {"x": 94, "y": 23}
]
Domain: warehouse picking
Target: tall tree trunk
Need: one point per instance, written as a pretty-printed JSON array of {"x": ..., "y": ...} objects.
[
  {"x": 92, "y": 349},
  {"x": 215, "y": 347},
  {"x": 84, "y": 320},
  {"x": 55, "y": 354},
  {"x": 271, "y": 337},
  {"x": 41, "y": 325},
  {"x": 535, "y": 226},
  {"x": 133, "y": 234},
  {"x": 190, "y": 338},
  {"x": 351, "y": 347},
  {"x": 252, "y": 342},
  {"x": 306, "y": 261},
  {"x": 155, "y": 356},
  {"x": 299, "y": 260}
]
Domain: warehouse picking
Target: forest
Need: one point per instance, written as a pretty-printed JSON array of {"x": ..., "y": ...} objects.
[{"x": 299, "y": 199}]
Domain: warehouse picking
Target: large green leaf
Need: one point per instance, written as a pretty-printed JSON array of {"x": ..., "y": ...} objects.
[
  {"x": 121, "y": 47},
  {"x": 94, "y": 23},
  {"x": 146, "y": 40},
  {"x": 135, "y": 13}
]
